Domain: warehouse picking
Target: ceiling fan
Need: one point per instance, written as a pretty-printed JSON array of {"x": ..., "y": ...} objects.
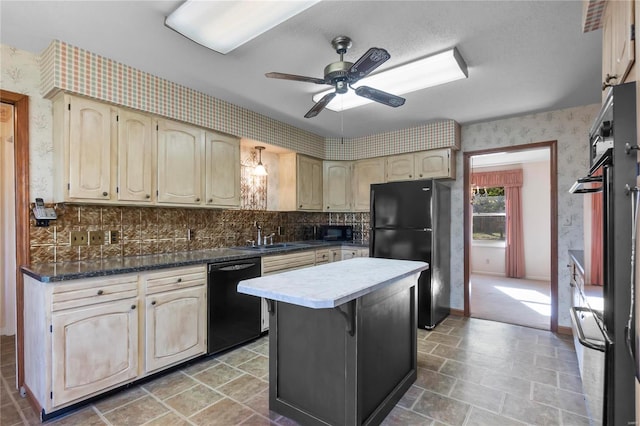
[{"x": 343, "y": 74}]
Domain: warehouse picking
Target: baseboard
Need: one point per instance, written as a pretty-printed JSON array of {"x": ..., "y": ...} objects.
[
  {"x": 493, "y": 274},
  {"x": 456, "y": 312},
  {"x": 563, "y": 329}
]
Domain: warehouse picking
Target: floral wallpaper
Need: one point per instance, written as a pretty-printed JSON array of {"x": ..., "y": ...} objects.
[
  {"x": 570, "y": 127},
  {"x": 21, "y": 74}
]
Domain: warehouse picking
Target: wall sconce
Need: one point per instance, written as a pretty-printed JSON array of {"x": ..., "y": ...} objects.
[{"x": 259, "y": 170}]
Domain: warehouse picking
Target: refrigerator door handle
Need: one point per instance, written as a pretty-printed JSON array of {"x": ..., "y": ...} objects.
[{"x": 426, "y": 189}]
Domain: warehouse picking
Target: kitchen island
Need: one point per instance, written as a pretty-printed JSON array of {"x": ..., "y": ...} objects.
[{"x": 342, "y": 339}]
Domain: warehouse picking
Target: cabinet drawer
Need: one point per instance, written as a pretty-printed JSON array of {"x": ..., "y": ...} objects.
[
  {"x": 93, "y": 291},
  {"x": 173, "y": 279},
  {"x": 323, "y": 256},
  {"x": 287, "y": 262}
]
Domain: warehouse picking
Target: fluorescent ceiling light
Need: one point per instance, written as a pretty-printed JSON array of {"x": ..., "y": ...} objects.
[
  {"x": 426, "y": 72},
  {"x": 225, "y": 25}
]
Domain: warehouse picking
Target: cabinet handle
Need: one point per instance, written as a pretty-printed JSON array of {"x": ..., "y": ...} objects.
[
  {"x": 606, "y": 83},
  {"x": 133, "y": 306},
  {"x": 179, "y": 280},
  {"x": 147, "y": 196},
  {"x": 153, "y": 302},
  {"x": 104, "y": 194},
  {"x": 100, "y": 292},
  {"x": 197, "y": 200}
]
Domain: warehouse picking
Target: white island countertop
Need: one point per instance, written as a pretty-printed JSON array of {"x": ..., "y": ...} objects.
[{"x": 331, "y": 284}]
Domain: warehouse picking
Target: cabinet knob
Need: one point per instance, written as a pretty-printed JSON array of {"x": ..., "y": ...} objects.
[
  {"x": 133, "y": 306},
  {"x": 104, "y": 194},
  {"x": 210, "y": 200},
  {"x": 100, "y": 292},
  {"x": 300, "y": 206},
  {"x": 147, "y": 196},
  {"x": 197, "y": 200},
  {"x": 420, "y": 175},
  {"x": 328, "y": 207},
  {"x": 410, "y": 176},
  {"x": 153, "y": 302},
  {"x": 179, "y": 280}
]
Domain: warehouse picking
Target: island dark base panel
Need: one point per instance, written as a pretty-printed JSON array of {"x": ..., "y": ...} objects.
[{"x": 348, "y": 365}]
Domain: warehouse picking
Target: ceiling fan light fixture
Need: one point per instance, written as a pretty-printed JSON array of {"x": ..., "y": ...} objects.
[
  {"x": 441, "y": 68},
  {"x": 225, "y": 25},
  {"x": 259, "y": 169}
]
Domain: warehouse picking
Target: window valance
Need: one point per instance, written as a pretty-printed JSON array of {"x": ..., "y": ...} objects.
[{"x": 504, "y": 178}]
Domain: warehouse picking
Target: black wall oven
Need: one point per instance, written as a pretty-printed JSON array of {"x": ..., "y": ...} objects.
[{"x": 613, "y": 170}]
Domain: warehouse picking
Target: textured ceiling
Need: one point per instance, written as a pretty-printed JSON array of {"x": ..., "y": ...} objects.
[{"x": 523, "y": 56}]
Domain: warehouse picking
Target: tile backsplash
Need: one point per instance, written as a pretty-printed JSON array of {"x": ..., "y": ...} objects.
[{"x": 152, "y": 230}]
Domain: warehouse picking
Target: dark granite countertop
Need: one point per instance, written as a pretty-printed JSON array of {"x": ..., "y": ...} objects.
[
  {"x": 64, "y": 271},
  {"x": 578, "y": 258}
]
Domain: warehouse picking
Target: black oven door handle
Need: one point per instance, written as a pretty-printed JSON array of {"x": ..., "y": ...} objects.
[
  {"x": 598, "y": 345},
  {"x": 236, "y": 267}
]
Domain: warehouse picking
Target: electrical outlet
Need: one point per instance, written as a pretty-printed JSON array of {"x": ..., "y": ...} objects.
[
  {"x": 191, "y": 234},
  {"x": 280, "y": 230},
  {"x": 79, "y": 238},
  {"x": 96, "y": 238},
  {"x": 114, "y": 237}
]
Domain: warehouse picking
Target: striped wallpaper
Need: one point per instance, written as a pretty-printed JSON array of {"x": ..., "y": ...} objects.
[{"x": 75, "y": 70}]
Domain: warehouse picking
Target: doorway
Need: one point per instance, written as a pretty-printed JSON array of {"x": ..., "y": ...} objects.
[{"x": 510, "y": 232}]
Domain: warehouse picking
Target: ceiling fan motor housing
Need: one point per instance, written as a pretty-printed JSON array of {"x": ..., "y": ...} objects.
[{"x": 337, "y": 74}]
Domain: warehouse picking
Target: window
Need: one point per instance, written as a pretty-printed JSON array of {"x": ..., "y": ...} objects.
[{"x": 489, "y": 218}]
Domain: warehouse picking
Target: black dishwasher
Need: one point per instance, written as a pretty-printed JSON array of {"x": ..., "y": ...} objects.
[{"x": 234, "y": 318}]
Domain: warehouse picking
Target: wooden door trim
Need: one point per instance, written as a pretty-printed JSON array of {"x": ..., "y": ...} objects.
[
  {"x": 21, "y": 164},
  {"x": 553, "y": 211}
]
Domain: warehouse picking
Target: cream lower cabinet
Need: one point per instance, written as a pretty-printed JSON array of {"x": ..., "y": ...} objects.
[
  {"x": 281, "y": 263},
  {"x": 175, "y": 316},
  {"x": 81, "y": 338},
  {"x": 354, "y": 252}
]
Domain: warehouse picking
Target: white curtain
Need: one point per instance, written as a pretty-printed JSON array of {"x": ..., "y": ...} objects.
[{"x": 7, "y": 224}]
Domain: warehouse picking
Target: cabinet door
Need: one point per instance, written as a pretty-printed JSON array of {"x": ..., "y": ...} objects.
[
  {"x": 222, "y": 170},
  {"x": 337, "y": 185},
  {"x": 309, "y": 183},
  {"x": 623, "y": 53},
  {"x": 366, "y": 172},
  {"x": 135, "y": 156},
  {"x": 434, "y": 163},
  {"x": 179, "y": 163},
  {"x": 336, "y": 255},
  {"x": 400, "y": 167},
  {"x": 90, "y": 149},
  {"x": 94, "y": 348},
  {"x": 175, "y": 327}
]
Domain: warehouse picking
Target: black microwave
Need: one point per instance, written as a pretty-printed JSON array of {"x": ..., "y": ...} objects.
[{"x": 336, "y": 232}]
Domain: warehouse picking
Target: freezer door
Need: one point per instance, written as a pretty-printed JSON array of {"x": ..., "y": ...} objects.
[
  {"x": 401, "y": 205},
  {"x": 407, "y": 244}
]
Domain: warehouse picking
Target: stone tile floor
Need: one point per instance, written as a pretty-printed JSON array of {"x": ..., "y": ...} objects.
[{"x": 471, "y": 372}]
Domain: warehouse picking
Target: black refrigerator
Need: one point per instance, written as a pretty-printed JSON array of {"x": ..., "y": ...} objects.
[{"x": 411, "y": 221}]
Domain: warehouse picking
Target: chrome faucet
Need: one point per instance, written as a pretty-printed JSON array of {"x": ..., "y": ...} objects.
[
  {"x": 255, "y": 223},
  {"x": 270, "y": 238}
]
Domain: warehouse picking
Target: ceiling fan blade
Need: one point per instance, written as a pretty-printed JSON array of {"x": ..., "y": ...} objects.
[
  {"x": 367, "y": 63},
  {"x": 380, "y": 96},
  {"x": 295, "y": 77},
  {"x": 319, "y": 106}
]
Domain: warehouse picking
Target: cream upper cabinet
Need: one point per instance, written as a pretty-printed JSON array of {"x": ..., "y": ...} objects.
[
  {"x": 400, "y": 167},
  {"x": 618, "y": 45},
  {"x": 300, "y": 186},
  {"x": 84, "y": 147},
  {"x": 135, "y": 157},
  {"x": 337, "y": 186},
  {"x": 365, "y": 173},
  {"x": 180, "y": 149},
  {"x": 222, "y": 170},
  {"x": 434, "y": 163}
]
